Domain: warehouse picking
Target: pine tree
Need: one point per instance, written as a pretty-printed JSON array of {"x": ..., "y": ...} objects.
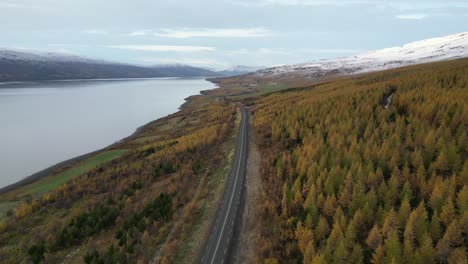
[
  {"x": 390, "y": 224},
  {"x": 458, "y": 256},
  {"x": 403, "y": 213},
  {"x": 378, "y": 255},
  {"x": 426, "y": 253},
  {"x": 453, "y": 235},
  {"x": 462, "y": 199},
  {"x": 374, "y": 239},
  {"x": 447, "y": 215},
  {"x": 435, "y": 228},
  {"x": 392, "y": 248}
]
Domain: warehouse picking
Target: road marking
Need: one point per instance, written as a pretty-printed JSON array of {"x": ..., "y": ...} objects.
[{"x": 234, "y": 189}]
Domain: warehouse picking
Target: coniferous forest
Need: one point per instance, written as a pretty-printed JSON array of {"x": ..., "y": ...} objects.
[
  {"x": 364, "y": 169},
  {"x": 370, "y": 169}
]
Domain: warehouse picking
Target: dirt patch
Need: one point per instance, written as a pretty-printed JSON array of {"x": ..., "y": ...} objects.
[{"x": 243, "y": 247}]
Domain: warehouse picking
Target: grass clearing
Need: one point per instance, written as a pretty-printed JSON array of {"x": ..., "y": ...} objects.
[
  {"x": 262, "y": 90},
  {"x": 10, "y": 200},
  {"x": 52, "y": 182},
  {"x": 6, "y": 206}
]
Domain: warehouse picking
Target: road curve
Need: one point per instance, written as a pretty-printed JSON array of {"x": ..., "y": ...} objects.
[{"x": 216, "y": 249}]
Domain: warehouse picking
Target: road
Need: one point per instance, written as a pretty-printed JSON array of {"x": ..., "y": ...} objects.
[{"x": 217, "y": 247}]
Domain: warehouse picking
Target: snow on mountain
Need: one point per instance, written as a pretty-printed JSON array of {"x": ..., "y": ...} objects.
[
  {"x": 429, "y": 50},
  {"x": 27, "y": 55},
  {"x": 239, "y": 69},
  {"x": 242, "y": 68},
  {"x": 19, "y": 65}
]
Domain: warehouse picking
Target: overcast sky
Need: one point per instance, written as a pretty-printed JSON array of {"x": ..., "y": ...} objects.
[{"x": 222, "y": 33}]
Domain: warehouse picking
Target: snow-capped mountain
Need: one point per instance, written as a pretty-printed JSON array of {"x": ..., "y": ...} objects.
[
  {"x": 429, "y": 50},
  {"x": 27, "y": 55},
  {"x": 19, "y": 65},
  {"x": 239, "y": 69}
]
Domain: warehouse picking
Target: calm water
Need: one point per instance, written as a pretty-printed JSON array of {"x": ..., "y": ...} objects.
[{"x": 44, "y": 123}]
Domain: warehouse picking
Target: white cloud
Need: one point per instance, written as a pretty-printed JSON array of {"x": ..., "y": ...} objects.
[
  {"x": 399, "y": 4},
  {"x": 166, "y": 48},
  {"x": 198, "y": 62},
  {"x": 13, "y": 5},
  {"x": 95, "y": 32},
  {"x": 273, "y": 51},
  {"x": 302, "y": 2},
  {"x": 257, "y": 52},
  {"x": 330, "y": 51},
  {"x": 278, "y": 51},
  {"x": 411, "y": 16},
  {"x": 65, "y": 45},
  {"x": 214, "y": 32},
  {"x": 139, "y": 33}
]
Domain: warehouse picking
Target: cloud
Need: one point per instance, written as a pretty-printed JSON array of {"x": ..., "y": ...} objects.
[
  {"x": 183, "y": 33},
  {"x": 301, "y": 2},
  {"x": 199, "y": 62},
  {"x": 411, "y": 16},
  {"x": 331, "y": 51},
  {"x": 139, "y": 33},
  {"x": 257, "y": 52},
  {"x": 95, "y": 32},
  {"x": 166, "y": 48},
  {"x": 396, "y": 4},
  {"x": 278, "y": 51},
  {"x": 15, "y": 5},
  {"x": 65, "y": 45}
]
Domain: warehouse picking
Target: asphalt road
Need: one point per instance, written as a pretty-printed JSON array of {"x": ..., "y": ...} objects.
[{"x": 217, "y": 247}]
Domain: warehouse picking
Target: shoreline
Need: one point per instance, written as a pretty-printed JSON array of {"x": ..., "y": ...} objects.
[
  {"x": 105, "y": 79},
  {"x": 69, "y": 162}
]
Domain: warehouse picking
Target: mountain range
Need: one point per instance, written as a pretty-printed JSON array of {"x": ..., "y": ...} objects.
[
  {"x": 32, "y": 66},
  {"x": 429, "y": 50},
  {"x": 29, "y": 66}
]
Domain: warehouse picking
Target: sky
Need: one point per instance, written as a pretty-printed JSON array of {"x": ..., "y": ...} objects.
[{"x": 219, "y": 34}]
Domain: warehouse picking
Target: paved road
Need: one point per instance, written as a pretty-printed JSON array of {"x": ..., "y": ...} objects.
[{"x": 217, "y": 247}]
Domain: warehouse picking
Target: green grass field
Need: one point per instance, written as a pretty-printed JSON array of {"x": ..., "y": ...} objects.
[
  {"x": 49, "y": 183},
  {"x": 263, "y": 89},
  {"x": 53, "y": 182}
]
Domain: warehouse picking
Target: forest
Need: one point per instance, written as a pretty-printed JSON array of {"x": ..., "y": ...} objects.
[
  {"x": 364, "y": 169},
  {"x": 124, "y": 210},
  {"x": 368, "y": 169}
]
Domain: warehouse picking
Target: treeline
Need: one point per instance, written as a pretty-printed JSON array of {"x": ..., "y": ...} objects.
[
  {"x": 347, "y": 178},
  {"x": 122, "y": 211}
]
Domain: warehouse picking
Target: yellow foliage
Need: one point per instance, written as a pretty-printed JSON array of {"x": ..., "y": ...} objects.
[
  {"x": 23, "y": 210},
  {"x": 3, "y": 226}
]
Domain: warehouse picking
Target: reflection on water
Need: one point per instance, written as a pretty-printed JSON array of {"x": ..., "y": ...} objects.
[{"x": 48, "y": 122}]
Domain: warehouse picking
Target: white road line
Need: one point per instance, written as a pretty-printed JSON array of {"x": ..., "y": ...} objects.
[{"x": 234, "y": 189}]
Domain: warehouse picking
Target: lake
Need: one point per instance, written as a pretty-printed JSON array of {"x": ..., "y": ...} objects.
[{"x": 44, "y": 123}]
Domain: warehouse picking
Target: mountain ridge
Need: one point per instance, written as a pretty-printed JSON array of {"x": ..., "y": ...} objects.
[
  {"x": 428, "y": 50},
  {"x": 38, "y": 66}
]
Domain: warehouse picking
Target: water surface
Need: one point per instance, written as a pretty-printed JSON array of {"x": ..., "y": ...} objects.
[{"x": 44, "y": 123}]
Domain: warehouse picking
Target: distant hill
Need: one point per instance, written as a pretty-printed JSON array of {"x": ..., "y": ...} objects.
[
  {"x": 239, "y": 70},
  {"x": 186, "y": 70},
  {"x": 31, "y": 66},
  {"x": 428, "y": 50}
]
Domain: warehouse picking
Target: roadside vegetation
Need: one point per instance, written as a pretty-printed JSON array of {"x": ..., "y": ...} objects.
[
  {"x": 347, "y": 180},
  {"x": 9, "y": 200},
  {"x": 121, "y": 205}
]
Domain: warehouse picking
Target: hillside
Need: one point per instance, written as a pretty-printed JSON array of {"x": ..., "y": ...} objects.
[
  {"x": 371, "y": 169},
  {"x": 347, "y": 176},
  {"x": 133, "y": 202},
  {"x": 428, "y": 50},
  {"x": 27, "y": 66}
]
